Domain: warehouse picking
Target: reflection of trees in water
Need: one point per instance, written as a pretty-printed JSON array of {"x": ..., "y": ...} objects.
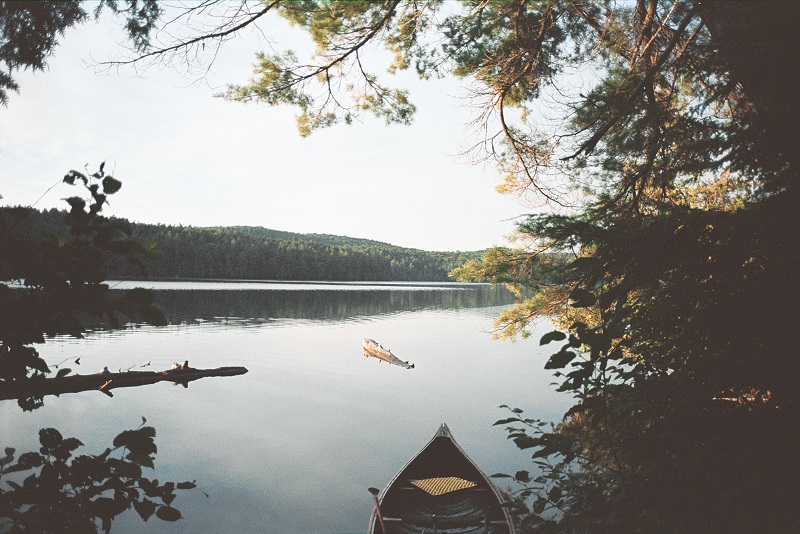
[{"x": 188, "y": 305}]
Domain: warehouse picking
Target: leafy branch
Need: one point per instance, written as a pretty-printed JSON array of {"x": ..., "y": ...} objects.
[{"x": 54, "y": 489}]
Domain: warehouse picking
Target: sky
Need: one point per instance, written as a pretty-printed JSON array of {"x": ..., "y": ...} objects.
[{"x": 187, "y": 157}]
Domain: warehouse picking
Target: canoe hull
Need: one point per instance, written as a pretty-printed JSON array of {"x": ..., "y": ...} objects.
[{"x": 441, "y": 490}]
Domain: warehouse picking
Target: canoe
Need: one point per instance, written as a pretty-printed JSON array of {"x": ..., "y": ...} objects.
[
  {"x": 440, "y": 490},
  {"x": 376, "y": 350}
]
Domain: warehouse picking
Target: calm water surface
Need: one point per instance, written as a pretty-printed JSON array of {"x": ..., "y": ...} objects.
[{"x": 293, "y": 445}]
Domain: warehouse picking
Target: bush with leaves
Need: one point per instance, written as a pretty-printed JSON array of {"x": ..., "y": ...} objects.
[
  {"x": 672, "y": 339},
  {"x": 54, "y": 284},
  {"x": 30, "y": 31},
  {"x": 55, "y": 490}
]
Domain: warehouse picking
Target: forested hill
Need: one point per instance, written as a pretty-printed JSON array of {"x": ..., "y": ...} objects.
[
  {"x": 323, "y": 239},
  {"x": 255, "y": 253}
]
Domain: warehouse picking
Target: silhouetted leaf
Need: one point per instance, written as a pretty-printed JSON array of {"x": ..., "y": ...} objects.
[
  {"x": 26, "y": 461},
  {"x": 168, "y": 513},
  {"x": 567, "y": 385},
  {"x": 146, "y": 508},
  {"x": 546, "y": 451},
  {"x": 526, "y": 442},
  {"x": 141, "y": 459},
  {"x": 506, "y": 421},
  {"x": 111, "y": 185},
  {"x": 500, "y": 475},
  {"x": 584, "y": 371},
  {"x": 555, "y": 335},
  {"x": 186, "y": 485},
  {"x": 560, "y": 359},
  {"x": 522, "y": 476},
  {"x": 139, "y": 441},
  {"x": 63, "y": 372},
  {"x": 72, "y": 175},
  {"x": 71, "y": 443},
  {"x": 150, "y": 487},
  {"x": 50, "y": 438},
  {"x": 128, "y": 469},
  {"x": 107, "y": 508}
]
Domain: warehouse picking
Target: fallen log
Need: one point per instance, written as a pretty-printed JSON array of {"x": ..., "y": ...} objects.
[
  {"x": 372, "y": 348},
  {"x": 105, "y": 381}
]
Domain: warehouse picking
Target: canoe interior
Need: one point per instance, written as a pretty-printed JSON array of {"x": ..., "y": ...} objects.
[{"x": 407, "y": 509}]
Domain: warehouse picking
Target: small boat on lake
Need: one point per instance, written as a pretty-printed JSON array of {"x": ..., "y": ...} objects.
[
  {"x": 440, "y": 490},
  {"x": 375, "y": 350}
]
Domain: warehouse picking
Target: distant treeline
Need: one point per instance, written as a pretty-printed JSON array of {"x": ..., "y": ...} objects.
[{"x": 255, "y": 253}]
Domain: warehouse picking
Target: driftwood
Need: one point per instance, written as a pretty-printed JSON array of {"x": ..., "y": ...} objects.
[
  {"x": 372, "y": 348},
  {"x": 105, "y": 381}
]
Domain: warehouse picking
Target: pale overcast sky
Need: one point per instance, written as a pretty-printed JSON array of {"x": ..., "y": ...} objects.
[{"x": 186, "y": 157}]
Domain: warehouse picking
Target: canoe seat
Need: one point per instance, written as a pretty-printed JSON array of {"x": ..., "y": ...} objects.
[{"x": 441, "y": 485}]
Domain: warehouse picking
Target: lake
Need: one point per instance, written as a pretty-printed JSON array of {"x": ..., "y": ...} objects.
[{"x": 293, "y": 445}]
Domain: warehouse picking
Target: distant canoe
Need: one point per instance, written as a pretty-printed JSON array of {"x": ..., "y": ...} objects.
[
  {"x": 441, "y": 490},
  {"x": 374, "y": 349}
]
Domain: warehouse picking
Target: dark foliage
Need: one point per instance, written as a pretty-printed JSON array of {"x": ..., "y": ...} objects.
[
  {"x": 30, "y": 31},
  {"x": 56, "y": 491},
  {"x": 58, "y": 279}
]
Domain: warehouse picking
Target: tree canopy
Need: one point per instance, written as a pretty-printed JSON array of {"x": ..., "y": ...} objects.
[
  {"x": 30, "y": 31},
  {"x": 61, "y": 279}
]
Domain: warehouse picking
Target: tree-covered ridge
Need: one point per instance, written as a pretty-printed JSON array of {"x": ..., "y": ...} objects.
[
  {"x": 424, "y": 263},
  {"x": 256, "y": 253}
]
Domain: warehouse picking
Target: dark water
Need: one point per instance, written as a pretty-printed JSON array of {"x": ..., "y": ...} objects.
[{"x": 293, "y": 445}]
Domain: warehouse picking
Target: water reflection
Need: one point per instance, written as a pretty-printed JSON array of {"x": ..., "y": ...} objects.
[
  {"x": 321, "y": 302},
  {"x": 292, "y": 446}
]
